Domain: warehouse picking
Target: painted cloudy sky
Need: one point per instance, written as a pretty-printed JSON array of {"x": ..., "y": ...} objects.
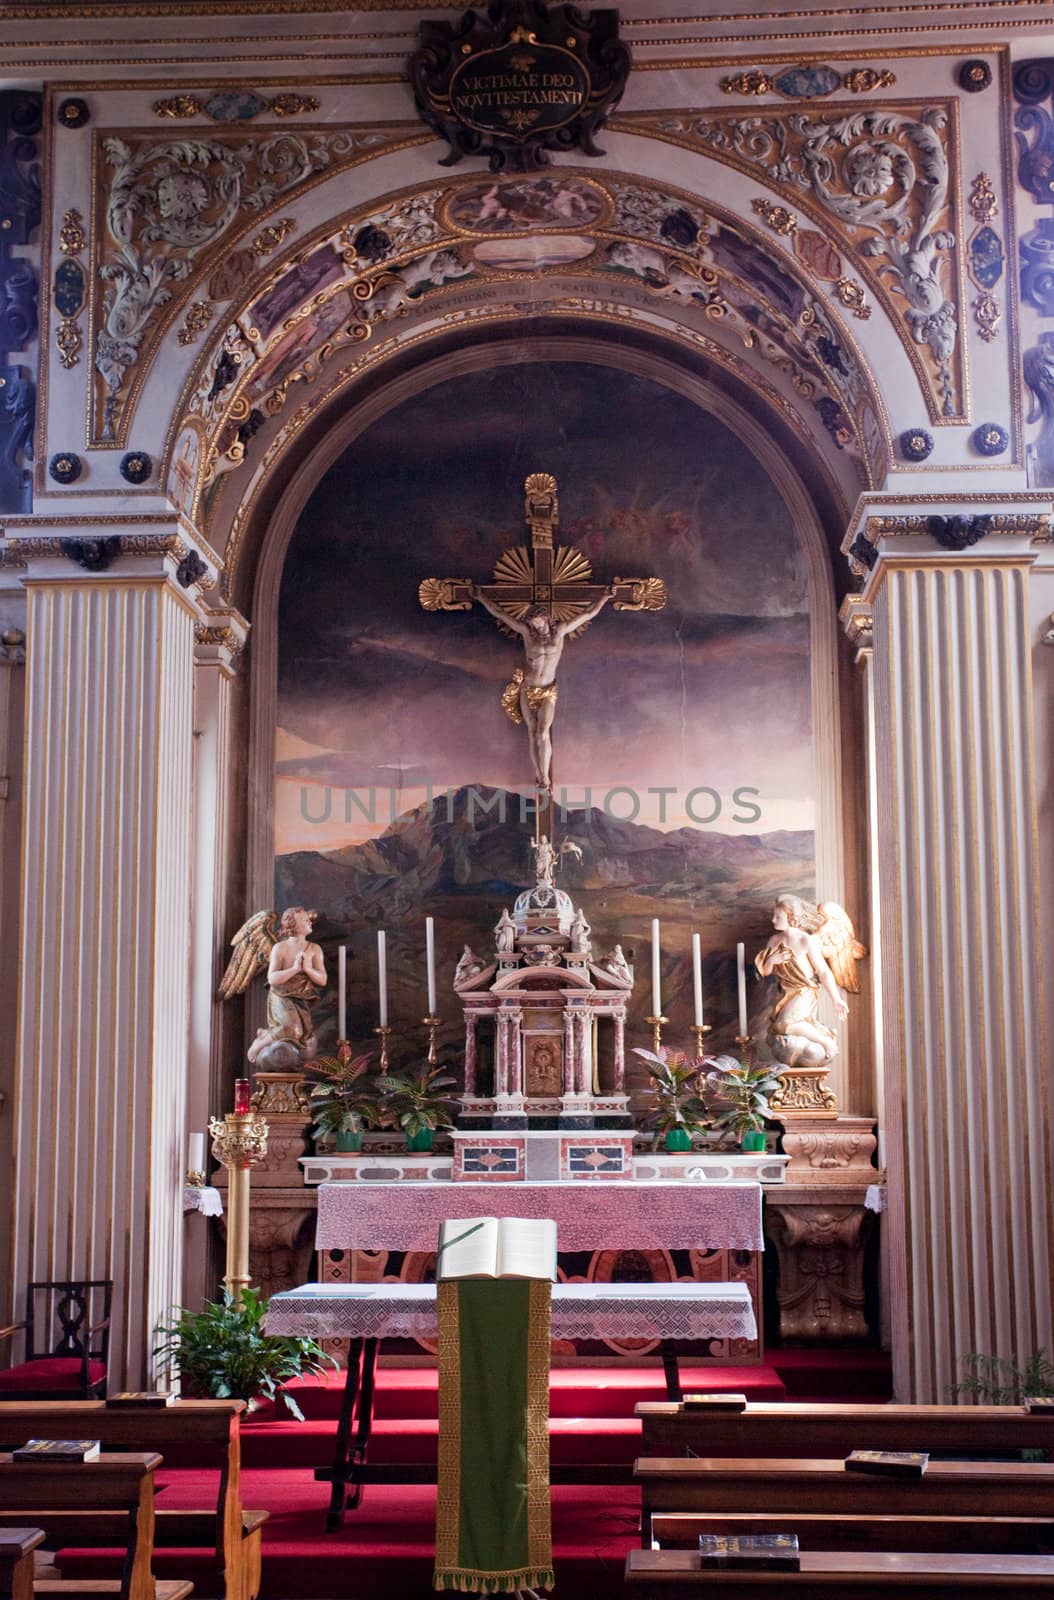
[{"x": 375, "y": 693}]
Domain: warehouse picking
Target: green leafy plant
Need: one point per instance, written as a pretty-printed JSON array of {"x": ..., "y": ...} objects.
[
  {"x": 1000, "y": 1381},
  {"x": 345, "y": 1097},
  {"x": 221, "y": 1352},
  {"x": 744, "y": 1090},
  {"x": 417, "y": 1100},
  {"x": 676, "y": 1087}
]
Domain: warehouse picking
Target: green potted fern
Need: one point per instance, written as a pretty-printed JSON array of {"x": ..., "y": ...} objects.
[
  {"x": 345, "y": 1098},
  {"x": 679, "y": 1107},
  {"x": 418, "y": 1102},
  {"x": 744, "y": 1089},
  {"x": 222, "y": 1353}
]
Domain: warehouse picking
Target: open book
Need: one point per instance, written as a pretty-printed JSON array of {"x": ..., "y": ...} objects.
[{"x": 497, "y": 1247}]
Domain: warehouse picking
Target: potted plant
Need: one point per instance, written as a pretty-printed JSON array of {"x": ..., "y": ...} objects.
[
  {"x": 345, "y": 1099},
  {"x": 745, "y": 1089},
  {"x": 221, "y": 1352},
  {"x": 679, "y": 1108},
  {"x": 418, "y": 1103}
]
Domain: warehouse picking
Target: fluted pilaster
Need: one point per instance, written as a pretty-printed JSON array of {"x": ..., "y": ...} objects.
[
  {"x": 103, "y": 997},
  {"x": 965, "y": 1097}
]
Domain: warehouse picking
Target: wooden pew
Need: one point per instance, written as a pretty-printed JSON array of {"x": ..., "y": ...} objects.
[
  {"x": 787, "y": 1487},
  {"x": 16, "y": 1562},
  {"x": 680, "y": 1530},
  {"x": 835, "y": 1575},
  {"x": 115, "y": 1483},
  {"x": 821, "y": 1431},
  {"x": 206, "y": 1433}
]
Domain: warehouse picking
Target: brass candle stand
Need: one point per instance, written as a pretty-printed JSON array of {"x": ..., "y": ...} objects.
[
  {"x": 656, "y": 1026},
  {"x": 382, "y": 1033},
  {"x": 431, "y": 1022},
  {"x": 239, "y": 1142},
  {"x": 746, "y": 1047},
  {"x": 700, "y": 1029}
]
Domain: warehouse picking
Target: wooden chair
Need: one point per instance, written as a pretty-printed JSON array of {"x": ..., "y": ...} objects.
[
  {"x": 123, "y": 1484},
  {"x": 792, "y": 1429},
  {"x": 203, "y": 1433},
  {"x": 16, "y": 1561},
  {"x": 834, "y": 1575},
  {"x": 74, "y": 1367}
]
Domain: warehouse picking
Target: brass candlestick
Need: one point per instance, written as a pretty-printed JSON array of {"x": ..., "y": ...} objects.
[
  {"x": 700, "y": 1029},
  {"x": 431, "y": 1023},
  {"x": 239, "y": 1142},
  {"x": 745, "y": 1043},
  {"x": 655, "y": 1024},
  {"x": 382, "y": 1033}
]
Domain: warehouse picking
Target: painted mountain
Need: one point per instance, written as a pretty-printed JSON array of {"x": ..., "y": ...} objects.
[{"x": 465, "y": 856}]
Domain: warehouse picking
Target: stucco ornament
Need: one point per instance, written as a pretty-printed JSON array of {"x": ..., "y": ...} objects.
[
  {"x": 167, "y": 203},
  {"x": 880, "y": 173},
  {"x": 1039, "y": 375}
]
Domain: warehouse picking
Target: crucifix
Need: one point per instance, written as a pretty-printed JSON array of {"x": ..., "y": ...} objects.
[{"x": 543, "y": 595}]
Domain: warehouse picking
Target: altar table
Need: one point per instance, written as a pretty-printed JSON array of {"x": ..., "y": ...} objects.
[
  {"x": 366, "y": 1313},
  {"x": 588, "y": 1216}
]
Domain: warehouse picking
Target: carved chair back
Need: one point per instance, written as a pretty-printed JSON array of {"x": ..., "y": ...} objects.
[{"x": 75, "y": 1314}]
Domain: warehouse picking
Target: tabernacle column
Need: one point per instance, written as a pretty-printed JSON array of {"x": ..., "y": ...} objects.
[
  {"x": 103, "y": 998},
  {"x": 967, "y": 1143}
]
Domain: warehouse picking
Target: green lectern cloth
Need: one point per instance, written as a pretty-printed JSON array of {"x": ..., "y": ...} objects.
[{"x": 493, "y": 1526}]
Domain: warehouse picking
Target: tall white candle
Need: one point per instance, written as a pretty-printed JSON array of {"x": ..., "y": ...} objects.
[
  {"x": 196, "y": 1153},
  {"x": 697, "y": 978},
  {"x": 741, "y": 974},
  {"x": 342, "y": 991},
  {"x": 656, "y": 974},
  {"x": 430, "y": 960},
  {"x": 382, "y": 975}
]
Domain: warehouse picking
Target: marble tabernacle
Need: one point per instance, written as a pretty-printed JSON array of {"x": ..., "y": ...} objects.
[{"x": 555, "y": 1014}]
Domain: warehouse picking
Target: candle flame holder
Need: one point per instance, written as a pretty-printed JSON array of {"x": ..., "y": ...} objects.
[
  {"x": 431, "y": 1022},
  {"x": 382, "y": 1033},
  {"x": 239, "y": 1142},
  {"x": 656, "y": 1026},
  {"x": 700, "y": 1029},
  {"x": 746, "y": 1047}
]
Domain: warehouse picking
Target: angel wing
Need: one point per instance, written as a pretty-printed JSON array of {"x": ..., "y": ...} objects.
[
  {"x": 841, "y": 948},
  {"x": 252, "y": 946}
]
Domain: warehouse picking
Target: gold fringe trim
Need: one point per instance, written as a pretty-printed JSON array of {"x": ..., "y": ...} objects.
[
  {"x": 448, "y": 1475},
  {"x": 465, "y": 1582},
  {"x": 539, "y": 1353}
]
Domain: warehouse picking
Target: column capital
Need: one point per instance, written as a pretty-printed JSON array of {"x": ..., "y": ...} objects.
[
  {"x": 144, "y": 545},
  {"x": 220, "y": 638},
  {"x": 857, "y": 619},
  {"x": 948, "y": 536}
]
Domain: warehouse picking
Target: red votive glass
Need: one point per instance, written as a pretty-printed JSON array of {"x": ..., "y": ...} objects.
[{"x": 241, "y": 1097}]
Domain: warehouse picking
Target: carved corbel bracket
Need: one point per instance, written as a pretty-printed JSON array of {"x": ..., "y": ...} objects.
[{"x": 820, "y": 1245}]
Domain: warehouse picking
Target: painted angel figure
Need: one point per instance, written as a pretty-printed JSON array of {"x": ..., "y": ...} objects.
[
  {"x": 296, "y": 976},
  {"x": 812, "y": 949}
]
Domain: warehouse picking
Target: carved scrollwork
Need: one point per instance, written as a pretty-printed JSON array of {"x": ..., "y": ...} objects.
[
  {"x": 167, "y": 203},
  {"x": 882, "y": 176}
]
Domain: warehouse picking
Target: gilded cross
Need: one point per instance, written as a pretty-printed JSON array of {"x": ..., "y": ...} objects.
[{"x": 544, "y": 595}]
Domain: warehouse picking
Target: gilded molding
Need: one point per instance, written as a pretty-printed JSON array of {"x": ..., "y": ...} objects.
[
  {"x": 982, "y": 202},
  {"x": 69, "y": 342},
  {"x": 235, "y": 105},
  {"x": 223, "y": 637},
  {"x": 1024, "y": 524},
  {"x": 808, "y": 81},
  {"x": 272, "y": 236},
  {"x": 198, "y": 317},
  {"x": 72, "y": 237},
  {"x": 987, "y": 316}
]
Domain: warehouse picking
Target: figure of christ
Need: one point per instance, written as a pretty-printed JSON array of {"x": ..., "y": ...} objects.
[{"x": 530, "y": 696}]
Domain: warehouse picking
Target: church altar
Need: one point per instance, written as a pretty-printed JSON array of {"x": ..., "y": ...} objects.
[{"x": 589, "y": 1216}]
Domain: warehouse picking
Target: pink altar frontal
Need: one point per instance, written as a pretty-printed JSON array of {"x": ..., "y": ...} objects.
[{"x": 603, "y": 1216}]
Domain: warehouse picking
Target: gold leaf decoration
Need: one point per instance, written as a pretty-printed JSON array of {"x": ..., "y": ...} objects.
[
  {"x": 756, "y": 82},
  {"x": 271, "y": 237},
  {"x": 987, "y": 314},
  {"x": 178, "y": 106},
  {"x": 291, "y": 105},
  {"x": 514, "y": 566},
  {"x": 571, "y": 566},
  {"x": 68, "y": 339},
  {"x": 983, "y": 205},
  {"x": 198, "y": 317},
  {"x": 864, "y": 80},
  {"x": 72, "y": 237},
  {"x": 852, "y": 296},
  {"x": 777, "y": 217},
  {"x": 649, "y": 594}
]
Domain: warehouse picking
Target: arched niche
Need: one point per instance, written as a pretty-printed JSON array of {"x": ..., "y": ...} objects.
[{"x": 262, "y": 556}]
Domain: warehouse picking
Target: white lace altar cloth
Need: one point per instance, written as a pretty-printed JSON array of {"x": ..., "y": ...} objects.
[
  {"x": 588, "y": 1216},
  {"x": 688, "y": 1311}
]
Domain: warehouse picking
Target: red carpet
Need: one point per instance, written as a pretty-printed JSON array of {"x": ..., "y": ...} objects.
[{"x": 384, "y": 1550}]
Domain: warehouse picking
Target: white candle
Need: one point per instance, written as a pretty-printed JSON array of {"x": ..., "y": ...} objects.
[
  {"x": 656, "y": 977},
  {"x": 342, "y": 992},
  {"x": 196, "y": 1156},
  {"x": 741, "y": 974},
  {"x": 697, "y": 978},
  {"x": 382, "y": 974},
  {"x": 430, "y": 960}
]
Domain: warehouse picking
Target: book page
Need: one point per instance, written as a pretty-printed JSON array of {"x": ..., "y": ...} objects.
[
  {"x": 468, "y": 1248},
  {"x": 527, "y": 1248}
]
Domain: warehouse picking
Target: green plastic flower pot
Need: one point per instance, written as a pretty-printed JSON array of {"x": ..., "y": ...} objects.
[
  {"x": 753, "y": 1141},
  {"x": 349, "y": 1142},
  {"x": 678, "y": 1139},
  {"x": 420, "y": 1141}
]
